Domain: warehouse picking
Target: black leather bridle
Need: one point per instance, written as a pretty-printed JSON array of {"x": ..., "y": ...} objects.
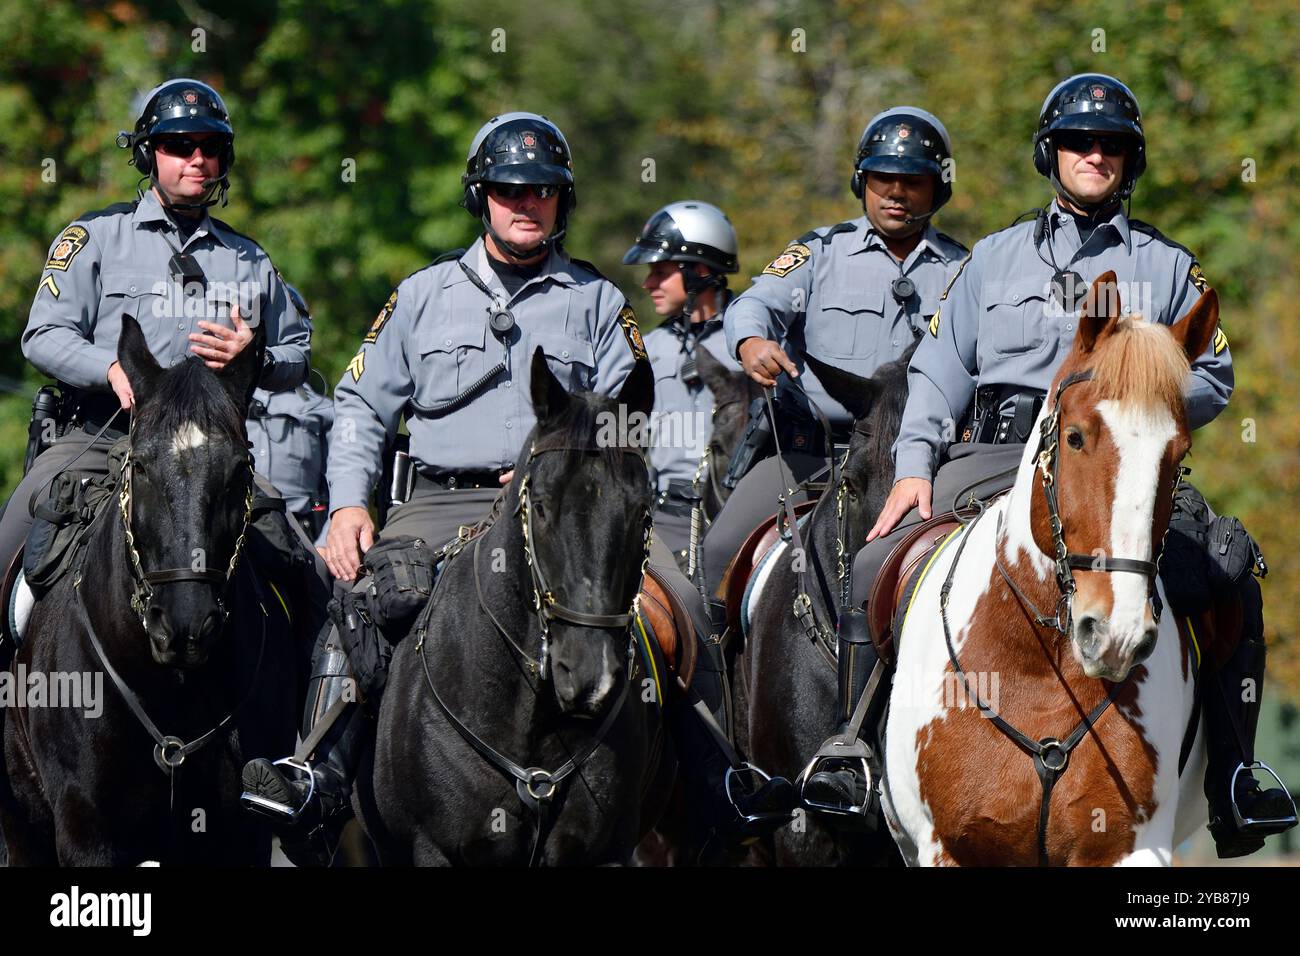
[
  {"x": 536, "y": 786},
  {"x": 143, "y": 581}
]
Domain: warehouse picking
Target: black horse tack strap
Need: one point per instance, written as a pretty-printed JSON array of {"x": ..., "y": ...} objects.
[{"x": 169, "y": 751}]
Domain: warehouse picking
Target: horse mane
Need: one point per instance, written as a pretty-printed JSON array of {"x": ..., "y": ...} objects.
[
  {"x": 1139, "y": 362},
  {"x": 189, "y": 392},
  {"x": 886, "y": 415}
]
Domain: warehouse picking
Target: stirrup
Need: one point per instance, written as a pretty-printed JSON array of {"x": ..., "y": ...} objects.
[
  {"x": 1260, "y": 826},
  {"x": 839, "y": 748},
  {"x": 751, "y": 819},
  {"x": 280, "y": 811}
]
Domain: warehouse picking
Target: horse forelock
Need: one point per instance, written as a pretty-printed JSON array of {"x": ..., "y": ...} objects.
[
  {"x": 1135, "y": 362},
  {"x": 189, "y": 398}
]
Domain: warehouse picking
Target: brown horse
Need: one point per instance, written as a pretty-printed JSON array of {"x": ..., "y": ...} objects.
[{"x": 1039, "y": 707}]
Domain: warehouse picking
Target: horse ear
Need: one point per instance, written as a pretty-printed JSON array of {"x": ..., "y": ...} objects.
[
  {"x": 852, "y": 391},
  {"x": 550, "y": 398},
  {"x": 142, "y": 369},
  {"x": 1196, "y": 329},
  {"x": 241, "y": 373},
  {"x": 638, "y": 391},
  {"x": 1100, "y": 311},
  {"x": 717, "y": 377}
]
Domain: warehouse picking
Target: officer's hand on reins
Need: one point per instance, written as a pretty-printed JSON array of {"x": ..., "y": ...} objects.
[
  {"x": 907, "y": 493},
  {"x": 117, "y": 380},
  {"x": 350, "y": 536},
  {"x": 218, "y": 345},
  {"x": 763, "y": 360}
]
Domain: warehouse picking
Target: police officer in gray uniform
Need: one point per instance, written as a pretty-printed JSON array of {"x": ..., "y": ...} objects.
[
  {"x": 689, "y": 248},
  {"x": 289, "y": 434},
  {"x": 855, "y": 295},
  {"x": 451, "y": 351},
  {"x": 152, "y": 259},
  {"x": 1006, "y": 323}
]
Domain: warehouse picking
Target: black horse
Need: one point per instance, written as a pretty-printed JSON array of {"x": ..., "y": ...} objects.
[
  {"x": 787, "y": 692},
  {"x": 486, "y": 690},
  {"x": 166, "y": 612}
]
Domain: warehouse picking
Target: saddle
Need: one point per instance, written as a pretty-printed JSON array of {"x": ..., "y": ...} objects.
[
  {"x": 898, "y": 577},
  {"x": 665, "y": 613},
  {"x": 736, "y": 577}
]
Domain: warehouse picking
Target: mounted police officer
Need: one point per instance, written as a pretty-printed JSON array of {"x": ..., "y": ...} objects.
[
  {"x": 450, "y": 350},
  {"x": 197, "y": 288},
  {"x": 856, "y": 295},
  {"x": 1006, "y": 323},
  {"x": 689, "y": 248}
]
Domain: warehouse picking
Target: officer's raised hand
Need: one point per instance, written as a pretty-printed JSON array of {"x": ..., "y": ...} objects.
[
  {"x": 350, "y": 536},
  {"x": 218, "y": 345},
  {"x": 117, "y": 380},
  {"x": 764, "y": 360},
  {"x": 907, "y": 493}
]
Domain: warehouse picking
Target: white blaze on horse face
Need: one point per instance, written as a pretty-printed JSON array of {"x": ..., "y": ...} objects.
[
  {"x": 1141, "y": 438},
  {"x": 187, "y": 438}
]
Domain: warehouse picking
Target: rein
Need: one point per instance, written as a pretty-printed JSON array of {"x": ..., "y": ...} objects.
[{"x": 536, "y": 786}]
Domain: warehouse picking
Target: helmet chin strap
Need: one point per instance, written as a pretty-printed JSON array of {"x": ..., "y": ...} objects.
[
  {"x": 1092, "y": 210},
  {"x": 211, "y": 198},
  {"x": 514, "y": 251},
  {"x": 695, "y": 285}
]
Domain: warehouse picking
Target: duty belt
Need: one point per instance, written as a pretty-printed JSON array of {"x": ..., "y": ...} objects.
[
  {"x": 990, "y": 425},
  {"x": 451, "y": 480}
]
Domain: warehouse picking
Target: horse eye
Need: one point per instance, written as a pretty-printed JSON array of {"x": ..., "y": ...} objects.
[
  {"x": 539, "y": 511},
  {"x": 1074, "y": 438}
]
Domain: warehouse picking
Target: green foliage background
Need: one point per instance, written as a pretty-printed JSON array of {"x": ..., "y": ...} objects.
[{"x": 754, "y": 105}]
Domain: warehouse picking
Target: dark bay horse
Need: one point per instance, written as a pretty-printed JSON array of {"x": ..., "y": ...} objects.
[
  {"x": 787, "y": 680},
  {"x": 168, "y": 621},
  {"x": 733, "y": 392},
  {"x": 516, "y": 729}
]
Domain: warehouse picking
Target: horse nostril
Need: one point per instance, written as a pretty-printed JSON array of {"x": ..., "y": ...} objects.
[
  {"x": 1146, "y": 647},
  {"x": 1086, "y": 635},
  {"x": 158, "y": 625}
]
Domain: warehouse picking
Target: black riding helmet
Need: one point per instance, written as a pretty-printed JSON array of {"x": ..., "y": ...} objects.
[
  {"x": 908, "y": 141},
  {"x": 1097, "y": 103},
  {"x": 182, "y": 105},
  {"x": 519, "y": 148}
]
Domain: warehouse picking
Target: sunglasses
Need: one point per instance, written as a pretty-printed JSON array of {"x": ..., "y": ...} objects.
[
  {"x": 1080, "y": 142},
  {"x": 183, "y": 146},
  {"x": 516, "y": 190}
]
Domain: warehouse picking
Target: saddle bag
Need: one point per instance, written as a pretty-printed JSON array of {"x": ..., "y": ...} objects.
[
  {"x": 402, "y": 571},
  {"x": 1204, "y": 557},
  {"x": 62, "y": 518},
  {"x": 369, "y": 652}
]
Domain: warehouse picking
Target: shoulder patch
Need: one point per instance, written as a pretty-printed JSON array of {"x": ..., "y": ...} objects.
[
  {"x": 1220, "y": 340},
  {"x": 71, "y": 241},
  {"x": 382, "y": 318},
  {"x": 934, "y": 319},
  {"x": 358, "y": 365},
  {"x": 1198, "y": 279},
  {"x": 631, "y": 332},
  {"x": 795, "y": 255}
]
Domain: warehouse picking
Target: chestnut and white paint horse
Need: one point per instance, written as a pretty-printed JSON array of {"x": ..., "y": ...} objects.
[{"x": 1066, "y": 748}]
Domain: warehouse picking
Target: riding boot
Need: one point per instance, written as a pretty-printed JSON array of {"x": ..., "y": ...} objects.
[
  {"x": 846, "y": 784},
  {"x": 736, "y": 805},
  {"x": 1241, "y": 812},
  {"x": 308, "y": 796}
]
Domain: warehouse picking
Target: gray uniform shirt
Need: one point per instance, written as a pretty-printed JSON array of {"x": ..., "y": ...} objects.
[
  {"x": 115, "y": 262},
  {"x": 683, "y": 416},
  {"x": 999, "y": 325},
  {"x": 431, "y": 341},
  {"x": 829, "y": 294},
  {"x": 289, "y": 432}
]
